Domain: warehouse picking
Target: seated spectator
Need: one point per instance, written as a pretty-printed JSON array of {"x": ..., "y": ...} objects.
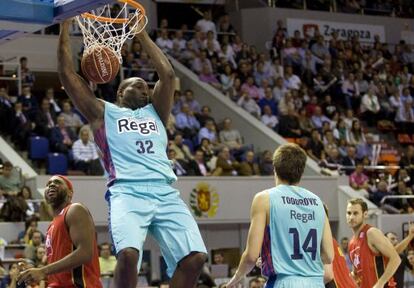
[
  {"x": 333, "y": 159},
  {"x": 204, "y": 116},
  {"x": 179, "y": 167},
  {"x": 249, "y": 167},
  {"x": 248, "y": 104},
  {"x": 328, "y": 107},
  {"x": 318, "y": 118},
  {"x": 379, "y": 192},
  {"x": 200, "y": 62},
  {"x": 182, "y": 151},
  {"x": 85, "y": 154},
  {"x": 349, "y": 161},
  {"x": 198, "y": 167},
  {"x": 405, "y": 118},
  {"x": 62, "y": 138},
  {"x": 291, "y": 80},
  {"x": 41, "y": 257},
  {"x": 268, "y": 100},
  {"x": 224, "y": 165},
  {"x": 289, "y": 125},
  {"x": 305, "y": 123},
  {"x": 107, "y": 262},
  {"x": 370, "y": 108},
  {"x": 227, "y": 78},
  {"x": 350, "y": 90},
  {"x": 187, "y": 122},
  {"x": 209, "y": 132},
  {"x": 206, "y": 24},
  {"x": 10, "y": 182},
  {"x": 356, "y": 136},
  {"x": 190, "y": 100},
  {"x": 279, "y": 90},
  {"x": 315, "y": 147},
  {"x": 329, "y": 141},
  {"x": 50, "y": 95},
  {"x": 319, "y": 49},
  {"x": 164, "y": 42},
  {"x": 358, "y": 180},
  {"x": 10, "y": 280},
  {"x": 29, "y": 102},
  {"x": 30, "y": 249},
  {"x": 208, "y": 151},
  {"x": 45, "y": 119},
  {"x": 286, "y": 103},
  {"x": 266, "y": 163},
  {"x": 72, "y": 120},
  {"x": 409, "y": 270},
  {"x": 207, "y": 76},
  {"x": 188, "y": 54},
  {"x": 404, "y": 205},
  {"x": 30, "y": 225},
  {"x": 251, "y": 89},
  {"x": 269, "y": 119},
  {"x": 366, "y": 149},
  {"x": 231, "y": 137},
  {"x": 32, "y": 208},
  {"x": 26, "y": 74},
  {"x": 22, "y": 127}
]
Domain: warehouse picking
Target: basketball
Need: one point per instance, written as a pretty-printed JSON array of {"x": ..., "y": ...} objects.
[{"x": 100, "y": 64}]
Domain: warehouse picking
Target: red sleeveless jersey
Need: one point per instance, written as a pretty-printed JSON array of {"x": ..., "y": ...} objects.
[
  {"x": 342, "y": 277},
  {"x": 58, "y": 245},
  {"x": 368, "y": 266}
]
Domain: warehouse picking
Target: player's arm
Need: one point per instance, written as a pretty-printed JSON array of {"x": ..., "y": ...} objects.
[
  {"x": 328, "y": 274},
  {"x": 81, "y": 231},
  {"x": 400, "y": 247},
  {"x": 75, "y": 86},
  {"x": 163, "y": 95},
  {"x": 327, "y": 249},
  {"x": 255, "y": 238},
  {"x": 379, "y": 242}
]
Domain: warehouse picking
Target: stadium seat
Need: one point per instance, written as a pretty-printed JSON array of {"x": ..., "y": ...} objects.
[
  {"x": 39, "y": 148},
  {"x": 57, "y": 163}
]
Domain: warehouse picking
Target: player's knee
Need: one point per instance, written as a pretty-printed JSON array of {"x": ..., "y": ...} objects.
[
  {"x": 194, "y": 262},
  {"x": 128, "y": 256}
]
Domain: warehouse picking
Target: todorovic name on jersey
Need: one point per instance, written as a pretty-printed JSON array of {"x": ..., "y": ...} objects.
[
  {"x": 299, "y": 216},
  {"x": 145, "y": 126}
]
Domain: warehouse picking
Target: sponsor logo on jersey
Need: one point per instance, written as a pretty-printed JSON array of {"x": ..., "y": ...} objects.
[{"x": 144, "y": 127}]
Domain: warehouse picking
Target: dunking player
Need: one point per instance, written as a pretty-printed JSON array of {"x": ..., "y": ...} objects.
[
  {"x": 373, "y": 257},
  {"x": 338, "y": 270},
  {"x": 72, "y": 253},
  {"x": 133, "y": 140},
  {"x": 289, "y": 225}
]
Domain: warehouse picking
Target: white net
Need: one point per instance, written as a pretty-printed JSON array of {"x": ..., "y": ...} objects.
[{"x": 111, "y": 26}]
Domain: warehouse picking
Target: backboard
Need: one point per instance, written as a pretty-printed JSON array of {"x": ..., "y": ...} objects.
[{"x": 18, "y": 17}]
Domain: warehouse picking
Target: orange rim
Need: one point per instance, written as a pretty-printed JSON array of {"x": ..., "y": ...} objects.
[{"x": 116, "y": 20}]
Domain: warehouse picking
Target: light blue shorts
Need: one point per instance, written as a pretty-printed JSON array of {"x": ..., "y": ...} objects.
[
  {"x": 136, "y": 209},
  {"x": 295, "y": 282}
]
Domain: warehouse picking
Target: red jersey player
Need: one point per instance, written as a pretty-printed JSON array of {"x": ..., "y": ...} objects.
[
  {"x": 72, "y": 253},
  {"x": 373, "y": 257}
]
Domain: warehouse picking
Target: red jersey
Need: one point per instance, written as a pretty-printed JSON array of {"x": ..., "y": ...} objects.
[
  {"x": 58, "y": 245},
  {"x": 342, "y": 277},
  {"x": 368, "y": 266}
]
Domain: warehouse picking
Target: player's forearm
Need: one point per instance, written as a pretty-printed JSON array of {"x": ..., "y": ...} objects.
[
  {"x": 404, "y": 243},
  {"x": 163, "y": 67},
  {"x": 389, "y": 271},
  {"x": 75, "y": 259},
  {"x": 247, "y": 263},
  {"x": 65, "y": 63}
]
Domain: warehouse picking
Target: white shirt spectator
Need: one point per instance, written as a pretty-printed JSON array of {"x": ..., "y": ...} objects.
[
  {"x": 292, "y": 82},
  {"x": 270, "y": 120},
  {"x": 207, "y": 25},
  {"x": 370, "y": 103},
  {"x": 165, "y": 44},
  {"x": 84, "y": 152}
]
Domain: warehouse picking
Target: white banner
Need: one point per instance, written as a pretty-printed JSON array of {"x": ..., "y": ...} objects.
[{"x": 365, "y": 32}]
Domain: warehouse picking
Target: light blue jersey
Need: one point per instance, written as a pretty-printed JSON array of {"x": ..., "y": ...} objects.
[
  {"x": 134, "y": 144},
  {"x": 296, "y": 226}
]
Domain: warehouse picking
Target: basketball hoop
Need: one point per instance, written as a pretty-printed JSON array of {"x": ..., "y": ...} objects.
[{"x": 109, "y": 28}]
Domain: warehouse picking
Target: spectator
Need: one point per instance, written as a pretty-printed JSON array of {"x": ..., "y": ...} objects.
[
  {"x": 107, "y": 262},
  {"x": 266, "y": 163},
  {"x": 72, "y": 120},
  {"x": 36, "y": 241},
  {"x": 198, "y": 165},
  {"x": 209, "y": 132},
  {"x": 40, "y": 258},
  {"x": 350, "y": 89},
  {"x": 179, "y": 39},
  {"x": 358, "y": 180},
  {"x": 182, "y": 151},
  {"x": 344, "y": 248},
  {"x": 356, "y": 136},
  {"x": 225, "y": 166},
  {"x": 289, "y": 125},
  {"x": 32, "y": 208},
  {"x": 10, "y": 281},
  {"x": 204, "y": 116},
  {"x": 370, "y": 108},
  {"x": 207, "y": 76},
  {"x": 29, "y": 102},
  {"x": 85, "y": 154},
  {"x": 407, "y": 161},
  {"x": 349, "y": 161},
  {"x": 318, "y": 118},
  {"x": 231, "y": 137},
  {"x": 379, "y": 192},
  {"x": 187, "y": 122},
  {"x": 10, "y": 182},
  {"x": 248, "y": 104},
  {"x": 207, "y": 149},
  {"x": 315, "y": 147},
  {"x": 164, "y": 42},
  {"x": 292, "y": 81},
  {"x": 319, "y": 49},
  {"x": 305, "y": 123},
  {"x": 179, "y": 167},
  {"x": 205, "y": 25},
  {"x": 200, "y": 62},
  {"x": 45, "y": 119},
  {"x": 50, "y": 95},
  {"x": 409, "y": 270},
  {"x": 250, "y": 88},
  {"x": 249, "y": 167},
  {"x": 191, "y": 101},
  {"x": 328, "y": 107},
  {"x": 269, "y": 119},
  {"x": 30, "y": 226},
  {"x": 227, "y": 79},
  {"x": 26, "y": 75},
  {"x": 61, "y": 137},
  {"x": 279, "y": 90},
  {"x": 268, "y": 100}
]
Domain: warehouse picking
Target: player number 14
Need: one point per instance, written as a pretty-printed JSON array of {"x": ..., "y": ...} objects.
[{"x": 309, "y": 245}]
